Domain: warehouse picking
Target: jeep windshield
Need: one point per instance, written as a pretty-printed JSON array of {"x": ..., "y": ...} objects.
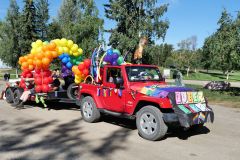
[{"x": 143, "y": 73}]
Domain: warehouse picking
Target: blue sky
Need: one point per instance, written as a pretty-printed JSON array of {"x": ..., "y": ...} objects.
[{"x": 187, "y": 17}]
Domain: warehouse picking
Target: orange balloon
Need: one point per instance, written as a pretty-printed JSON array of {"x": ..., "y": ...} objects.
[
  {"x": 48, "y": 54},
  {"x": 54, "y": 54},
  {"x": 25, "y": 64},
  {"x": 30, "y": 61},
  {"x": 30, "y": 56},
  {"x": 39, "y": 55},
  {"x": 22, "y": 68},
  {"x": 39, "y": 63},
  {"x": 52, "y": 46},
  {"x": 30, "y": 67},
  {"x": 44, "y": 48},
  {"x": 74, "y": 69},
  {"x": 45, "y": 61}
]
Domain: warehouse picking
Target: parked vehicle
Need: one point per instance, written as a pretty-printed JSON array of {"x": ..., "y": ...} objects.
[
  {"x": 138, "y": 92},
  {"x": 218, "y": 85}
]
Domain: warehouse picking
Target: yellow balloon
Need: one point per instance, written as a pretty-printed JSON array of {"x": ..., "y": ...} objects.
[
  {"x": 39, "y": 49},
  {"x": 74, "y": 48},
  {"x": 77, "y": 81},
  {"x": 80, "y": 51},
  {"x": 75, "y": 54},
  {"x": 65, "y": 49},
  {"x": 33, "y": 51},
  {"x": 60, "y": 50},
  {"x": 69, "y": 43},
  {"x": 63, "y": 42},
  {"x": 33, "y": 45},
  {"x": 39, "y": 42}
]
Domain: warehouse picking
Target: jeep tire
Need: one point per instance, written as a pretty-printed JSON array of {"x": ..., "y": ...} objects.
[
  {"x": 89, "y": 111},
  {"x": 150, "y": 124}
]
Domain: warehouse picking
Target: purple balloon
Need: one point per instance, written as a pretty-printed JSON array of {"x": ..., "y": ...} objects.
[
  {"x": 115, "y": 56},
  {"x": 114, "y": 63}
]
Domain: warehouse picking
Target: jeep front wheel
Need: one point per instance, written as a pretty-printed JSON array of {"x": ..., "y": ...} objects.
[
  {"x": 150, "y": 123},
  {"x": 89, "y": 111}
]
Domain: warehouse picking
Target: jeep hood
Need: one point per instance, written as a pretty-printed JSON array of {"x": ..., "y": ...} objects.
[{"x": 158, "y": 90}]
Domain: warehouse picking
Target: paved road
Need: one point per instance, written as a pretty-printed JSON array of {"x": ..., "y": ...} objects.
[{"x": 59, "y": 133}]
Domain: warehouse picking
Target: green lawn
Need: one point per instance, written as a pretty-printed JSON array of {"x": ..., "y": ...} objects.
[
  {"x": 212, "y": 76},
  {"x": 229, "y": 98}
]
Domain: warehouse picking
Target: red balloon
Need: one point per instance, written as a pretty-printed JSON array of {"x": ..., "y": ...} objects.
[
  {"x": 46, "y": 73},
  {"x": 23, "y": 74},
  {"x": 29, "y": 75},
  {"x": 22, "y": 85},
  {"x": 50, "y": 79},
  {"x": 45, "y": 80},
  {"x": 38, "y": 88},
  {"x": 37, "y": 75},
  {"x": 85, "y": 72},
  {"x": 38, "y": 80},
  {"x": 45, "y": 88},
  {"x": 81, "y": 66},
  {"x": 87, "y": 63},
  {"x": 37, "y": 71}
]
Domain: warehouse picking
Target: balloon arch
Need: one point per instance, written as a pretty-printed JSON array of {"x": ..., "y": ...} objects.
[{"x": 41, "y": 56}]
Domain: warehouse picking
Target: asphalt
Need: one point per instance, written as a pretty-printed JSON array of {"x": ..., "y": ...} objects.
[{"x": 60, "y": 133}]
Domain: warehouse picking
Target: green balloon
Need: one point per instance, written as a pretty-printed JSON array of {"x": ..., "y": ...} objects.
[
  {"x": 78, "y": 62},
  {"x": 117, "y": 51},
  {"x": 74, "y": 61},
  {"x": 120, "y": 60}
]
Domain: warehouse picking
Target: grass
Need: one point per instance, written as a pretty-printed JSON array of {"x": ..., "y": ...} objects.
[
  {"x": 212, "y": 76},
  {"x": 230, "y": 98}
]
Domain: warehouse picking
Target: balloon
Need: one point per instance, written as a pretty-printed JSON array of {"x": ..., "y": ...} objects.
[
  {"x": 39, "y": 55},
  {"x": 38, "y": 88},
  {"x": 117, "y": 51},
  {"x": 109, "y": 52},
  {"x": 31, "y": 67},
  {"x": 61, "y": 56},
  {"x": 54, "y": 54},
  {"x": 48, "y": 54},
  {"x": 120, "y": 60},
  {"x": 52, "y": 46},
  {"x": 69, "y": 43},
  {"x": 85, "y": 72},
  {"x": 38, "y": 80},
  {"x": 80, "y": 51},
  {"x": 65, "y": 60},
  {"x": 45, "y": 80},
  {"x": 114, "y": 63},
  {"x": 45, "y": 61},
  {"x": 50, "y": 79},
  {"x": 39, "y": 42},
  {"x": 115, "y": 56},
  {"x": 87, "y": 63},
  {"x": 81, "y": 66},
  {"x": 69, "y": 65},
  {"x": 74, "y": 48},
  {"x": 45, "y": 88}
]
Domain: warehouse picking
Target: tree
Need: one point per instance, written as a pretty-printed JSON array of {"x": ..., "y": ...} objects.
[
  {"x": 9, "y": 36},
  {"x": 79, "y": 21},
  {"x": 135, "y": 18},
  {"x": 42, "y": 16},
  {"x": 54, "y": 31},
  {"x": 29, "y": 26}
]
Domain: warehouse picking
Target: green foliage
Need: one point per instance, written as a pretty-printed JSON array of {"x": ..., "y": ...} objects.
[
  {"x": 9, "y": 36},
  {"x": 28, "y": 26},
  {"x": 136, "y": 18},
  {"x": 79, "y": 21},
  {"x": 42, "y": 16},
  {"x": 221, "y": 49},
  {"x": 54, "y": 31}
]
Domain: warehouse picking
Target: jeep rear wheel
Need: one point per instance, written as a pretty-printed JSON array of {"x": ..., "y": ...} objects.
[
  {"x": 150, "y": 123},
  {"x": 16, "y": 96},
  {"x": 89, "y": 111}
]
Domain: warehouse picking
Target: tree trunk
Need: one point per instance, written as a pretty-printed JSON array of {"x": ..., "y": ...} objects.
[
  {"x": 188, "y": 70},
  {"x": 16, "y": 73}
]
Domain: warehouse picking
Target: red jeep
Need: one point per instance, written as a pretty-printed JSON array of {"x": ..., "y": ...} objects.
[{"x": 139, "y": 92}]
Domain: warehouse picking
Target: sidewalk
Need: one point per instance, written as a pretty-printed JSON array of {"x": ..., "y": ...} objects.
[{"x": 233, "y": 84}]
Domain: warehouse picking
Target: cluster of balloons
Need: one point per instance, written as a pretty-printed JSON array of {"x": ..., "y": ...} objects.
[
  {"x": 42, "y": 80},
  {"x": 43, "y": 53},
  {"x": 113, "y": 57},
  {"x": 81, "y": 71}
]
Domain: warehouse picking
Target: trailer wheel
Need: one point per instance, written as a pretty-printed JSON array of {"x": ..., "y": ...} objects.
[
  {"x": 9, "y": 95},
  {"x": 16, "y": 96},
  {"x": 72, "y": 91},
  {"x": 89, "y": 111},
  {"x": 150, "y": 123}
]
